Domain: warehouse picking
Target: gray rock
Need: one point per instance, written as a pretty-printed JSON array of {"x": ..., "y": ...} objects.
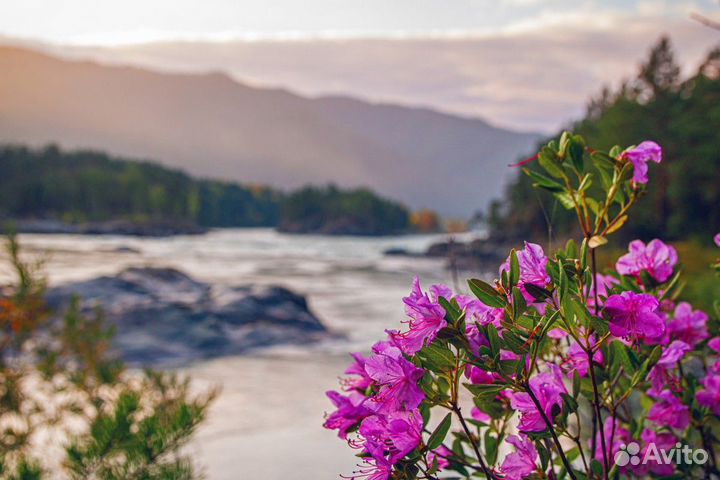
[{"x": 164, "y": 317}]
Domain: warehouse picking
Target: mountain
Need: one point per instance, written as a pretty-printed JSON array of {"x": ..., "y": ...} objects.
[{"x": 213, "y": 126}]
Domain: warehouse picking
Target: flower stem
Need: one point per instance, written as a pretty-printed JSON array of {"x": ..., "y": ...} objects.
[
  {"x": 598, "y": 414},
  {"x": 593, "y": 259},
  {"x": 556, "y": 440},
  {"x": 483, "y": 466}
]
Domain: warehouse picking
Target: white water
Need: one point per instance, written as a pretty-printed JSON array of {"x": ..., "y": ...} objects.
[{"x": 267, "y": 421}]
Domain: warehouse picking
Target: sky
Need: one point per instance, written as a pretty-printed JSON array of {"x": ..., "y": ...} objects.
[{"x": 524, "y": 64}]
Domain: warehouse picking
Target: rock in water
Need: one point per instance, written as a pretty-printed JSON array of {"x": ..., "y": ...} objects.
[{"x": 164, "y": 317}]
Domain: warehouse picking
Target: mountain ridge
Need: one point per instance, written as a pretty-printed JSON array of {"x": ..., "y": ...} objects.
[{"x": 211, "y": 125}]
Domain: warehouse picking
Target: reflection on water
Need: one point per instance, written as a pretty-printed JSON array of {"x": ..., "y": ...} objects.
[{"x": 266, "y": 423}]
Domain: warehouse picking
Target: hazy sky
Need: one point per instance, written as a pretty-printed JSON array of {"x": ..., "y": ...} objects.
[
  {"x": 527, "y": 64},
  {"x": 127, "y": 21}
]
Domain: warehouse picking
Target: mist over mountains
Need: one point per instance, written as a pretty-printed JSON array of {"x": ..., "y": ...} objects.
[{"x": 212, "y": 126}]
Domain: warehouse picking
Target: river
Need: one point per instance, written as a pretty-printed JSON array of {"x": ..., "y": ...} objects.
[{"x": 267, "y": 421}]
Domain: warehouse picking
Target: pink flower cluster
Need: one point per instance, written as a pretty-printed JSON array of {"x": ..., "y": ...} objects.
[
  {"x": 383, "y": 393},
  {"x": 380, "y": 405},
  {"x": 388, "y": 422}
]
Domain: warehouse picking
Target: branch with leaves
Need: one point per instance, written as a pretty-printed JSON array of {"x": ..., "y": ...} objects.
[{"x": 546, "y": 347}]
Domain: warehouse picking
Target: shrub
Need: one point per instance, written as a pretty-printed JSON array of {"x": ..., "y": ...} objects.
[
  {"x": 59, "y": 386},
  {"x": 553, "y": 370}
]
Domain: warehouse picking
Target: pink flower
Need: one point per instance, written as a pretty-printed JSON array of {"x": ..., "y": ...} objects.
[
  {"x": 478, "y": 376},
  {"x": 480, "y": 416},
  {"x": 660, "y": 376},
  {"x": 577, "y": 359},
  {"x": 360, "y": 380},
  {"x": 634, "y": 316},
  {"x": 350, "y": 411},
  {"x": 605, "y": 282},
  {"x": 522, "y": 462},
  {"x": 508, "y": 355},
  {"x": 615, "y": 439},
  {"x": 557, "y": 334},
  {"x": 664, "y": 442},
  {"x": 639, "y": 156},
  {"x": 688, "y": 325},
  {"x": 442, "y": 454},
  {"x": 657, "y": 259},
  {"x": 547, "y": 388},
  {"x": 427, "y": 318},
  {"x": 533, "y": 268},
  {"x": 716, "y": 238},
  {"x": 373, "y": 469},
  {"x": 669, "y": 411},
  {"x": 396, "y": 378},
  {"x": 475, "y": 339},
  {"x": 391, "y": 437},
  {"x": 710, "y": 395},
  {"x": 714, "y": 344},
  {"x": 478, "y": 312}
]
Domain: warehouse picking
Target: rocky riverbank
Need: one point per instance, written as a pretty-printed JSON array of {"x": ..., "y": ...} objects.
[
  {"x": 475, "y": 255},
  {"x": 163, "y": 317}
]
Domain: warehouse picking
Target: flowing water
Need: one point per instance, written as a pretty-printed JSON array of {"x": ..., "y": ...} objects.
[{"x": 266, "y": 424}]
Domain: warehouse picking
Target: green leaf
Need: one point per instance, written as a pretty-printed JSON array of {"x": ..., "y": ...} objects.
[
  {"x": 491, "y": 447},
  {"x": 452, "y": 312},
  {"x": 514, "y": 268},
  {"x": 494, "y": 339},
  {"x": 570, "y": 249},
  {"x": 619, "y": 357},
  {"x": 549, "y": 323},
  {"x": 617, "y": 225},
  {"x": 437, "y": 357},
  {"x": 514, "y": 341},
  {"x": 438, "y": 436},
  {"x": 576, "y": 384},
  {"x": 575, "y": 150},
  {"x": 543, "y": 181},
  {"x": 571, "y": 404},
  {"x": 538, "y": 293},
  {"x": 519, "y": 305},
  {"x": 486, "y": 294},
  {"x": 599, "y": 325},
  {"x": 563, "y": 283},
  {"x": 565, "y": 200},
  {"x": 546, "y": 159}
]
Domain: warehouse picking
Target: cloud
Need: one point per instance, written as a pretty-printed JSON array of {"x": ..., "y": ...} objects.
[{"x": 533, "y": 76}]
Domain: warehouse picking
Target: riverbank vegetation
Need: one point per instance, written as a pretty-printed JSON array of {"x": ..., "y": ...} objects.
[{"x": 69, "y": 409}]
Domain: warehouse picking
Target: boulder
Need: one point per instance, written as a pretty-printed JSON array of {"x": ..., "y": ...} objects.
[{"x": 164, "y": 317}]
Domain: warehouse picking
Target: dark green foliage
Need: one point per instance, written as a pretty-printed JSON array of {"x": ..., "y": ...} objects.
[
  {"x": 86, "y": 186},
  {"x": 91, "y": 186},
  {"x": 682, "y": 116},
  {"x": 330, "y": 210}
]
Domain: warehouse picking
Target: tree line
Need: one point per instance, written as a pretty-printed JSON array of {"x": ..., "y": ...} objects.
[{"x": 90, "y": 186}]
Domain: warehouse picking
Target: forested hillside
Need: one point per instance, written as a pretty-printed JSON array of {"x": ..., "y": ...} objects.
[
  {"x": 682, "y": 115},
  {"x": 87, "y": 186},
  {"x": 210, "y": 125},
  {"x": 329, "y": 210},
  {"x": 91, "y": 186}
]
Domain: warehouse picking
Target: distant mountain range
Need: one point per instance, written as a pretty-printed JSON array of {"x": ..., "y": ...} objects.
[{"x": 211, "y": 125}]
